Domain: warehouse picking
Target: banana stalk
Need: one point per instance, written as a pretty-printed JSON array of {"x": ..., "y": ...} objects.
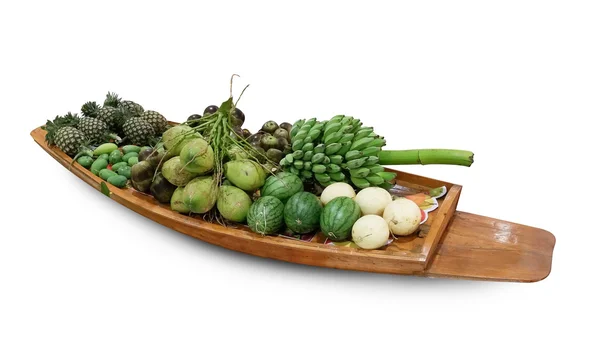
[{"x": 426, "y": 157}]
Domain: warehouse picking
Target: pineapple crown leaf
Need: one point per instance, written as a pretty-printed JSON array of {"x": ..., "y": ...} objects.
[
  {"x": 126, "y": 113},
  {"x": 112, "y": 99},
  {"x": 90, "y": 109}
]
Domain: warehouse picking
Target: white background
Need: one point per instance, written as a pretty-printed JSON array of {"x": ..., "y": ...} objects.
[{"x": 516, "y": 82}]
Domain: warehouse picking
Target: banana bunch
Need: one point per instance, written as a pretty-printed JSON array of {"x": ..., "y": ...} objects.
[{"x": 338, "y": 150}]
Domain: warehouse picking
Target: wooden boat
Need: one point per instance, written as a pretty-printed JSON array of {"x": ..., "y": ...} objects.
[{"x": 450, "y": 243}]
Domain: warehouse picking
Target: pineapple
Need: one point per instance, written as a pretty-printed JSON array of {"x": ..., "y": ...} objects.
[
  {"x": 132, "y": 106},
  {"x": 63, "y": 133},
  {"x": 138, "y": 131},
  {"x": 69, "y": 139},
  {"x": 111, "y": 116},
  {"x": 94, "y": 129},
  {"x": 158, "y": 121}
]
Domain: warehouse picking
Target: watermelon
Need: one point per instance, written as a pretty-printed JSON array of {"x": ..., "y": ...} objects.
[
  {"x": 302, "y": 212},
  {"x": 282, "y": 186},
  {"x": 265, "y": 216},
  {"x": 338, "y": 217}
]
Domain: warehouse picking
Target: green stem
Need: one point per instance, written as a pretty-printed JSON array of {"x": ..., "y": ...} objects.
[{"x": 426, "y": 157}]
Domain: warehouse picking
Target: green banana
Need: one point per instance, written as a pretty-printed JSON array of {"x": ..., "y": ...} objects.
[
  {"x": 360, "y": 172},
  {"x": 372, "y": 160},
  {"x": 344, "y": 149},
  {"x": 319, "y": 148},
  {"x": 332, "y": 148},
  {"x": 371, "y": 151},
  {"x": 318, "y": 158},
  {"x": 387, "y": 176},
  {"x": 297, "y": 145},
  {"x": 307, "y": 165},
  {"x": 333, "y": 138},
  {"x": 319, "y": 169},
  {"x": 346, "y": 137},
  {"x": 306, "y": 174},
  {"x": 346, "y": 120},
  {"x": 336, "y": 159},
  {"x": 299, "y": 164},
  {"x": 374, "y": 179},
  {"x": 295, "y": 130},
  {"x": 300, "y": 135},
  {"x": 307, "y": 155},
  {"x": 314, "y": 134},
  {"x": 356, "y": 125},
  {"x": 375, "y": 168},
  {"x": 333, "y": 168},
  {"x": 360, "y": 182},
  {"x": 362, "y": 134},
  {"x": 337, "y": 176},
  {"x": 356, "y": 163},
  {"x": 298, "y": 154},
  {"x": 353, "y": 154},
  {"x": 377, "y": 142},
  {"x": 308, "y": 147},
  {"x": 361, "y": 144},
  {"x": 331, "y": 129},
  {"x": 322, "y": 177}
]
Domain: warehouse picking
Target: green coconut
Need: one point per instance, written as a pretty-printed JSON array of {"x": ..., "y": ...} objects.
[
  {"x": 197, "y": 156},
  {"x": 177, "y": 137},
  {"x": 245, "y": 174},
  {"x": 177, "y": 203},
  {"x": 200, "y": 194},
  {"x": 233, "y": 203},
  {"x": 174, "y": 172},
  {"x": 235, "y": 152}
]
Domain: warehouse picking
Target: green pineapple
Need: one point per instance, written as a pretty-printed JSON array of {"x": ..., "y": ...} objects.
[
  {"x": 132, "y": 106},
  {"x": 63, "y": 133},
  {"x": 70, "y": 140},
  {"x": 96, "y": 130},
  {"x": 138, "y": 131},
  {"x": 111, "y": 116},
  {"x": 158, "y": 121}
]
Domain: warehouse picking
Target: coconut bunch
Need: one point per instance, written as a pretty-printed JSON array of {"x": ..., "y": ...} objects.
[{"x": 202, "y": 156}]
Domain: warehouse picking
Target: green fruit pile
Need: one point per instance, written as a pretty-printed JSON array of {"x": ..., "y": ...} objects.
[
  {"x": 338, "y": 150},
  {"x": 111, "y": 163}
]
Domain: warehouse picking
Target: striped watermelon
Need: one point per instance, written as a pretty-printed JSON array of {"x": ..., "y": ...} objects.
[
  {"x": 302, "y": 212},
  {"x": 282, "y": 186},
  {"x": 338, "y": 217},
  {"x": 265, "y": 216}
]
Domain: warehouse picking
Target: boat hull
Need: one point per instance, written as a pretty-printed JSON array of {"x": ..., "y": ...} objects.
[{"x": 457, "y": 244}]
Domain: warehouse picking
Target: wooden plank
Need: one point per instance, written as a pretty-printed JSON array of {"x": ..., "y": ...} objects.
[
  {"x": 483, "y": 248},
  {"x": 438, "y": 226}
]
